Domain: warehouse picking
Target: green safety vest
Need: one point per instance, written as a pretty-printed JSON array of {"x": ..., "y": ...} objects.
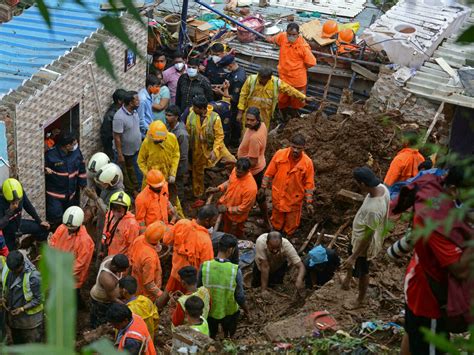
[
  {"x": 220, "y": 279},
  {"x": 203, "y": 327},
  {"x": 202, "y": 293},
  {"x": 27, "y": 293},
  {"x": 276, "y": 89},
  {"x": 209, "y": 131}
]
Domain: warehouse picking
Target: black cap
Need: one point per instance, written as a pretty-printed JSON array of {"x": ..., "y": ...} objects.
[
  {"x": 366, "y": 176},
  {"x": 226, "y": 60}
]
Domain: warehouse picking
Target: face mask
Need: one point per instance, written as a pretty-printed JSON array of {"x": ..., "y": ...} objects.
[
  {"x": 192, "y": 72},
  {"x": 227, "y": 70},
  {"x": 155, "y": 90},
  {"x": 179, "y": 66},
  {"x": 216, "y": 59},
  {"x": 74, "y": 147},
  {"x": 159, "y": 66},
  {"x": 292, "y": 38}
]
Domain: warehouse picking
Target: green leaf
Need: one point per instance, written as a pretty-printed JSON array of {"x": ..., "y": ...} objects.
[
  {"x": 440, "y": 341},
  {"x": 115, "y": 27},
  {"x": 37, "y": 349},
  {"x": 44, "y": 12},
  {"x": 61, "y": 301},
  {"x": 467, "y": 36},
  {"x": 103, "y": 60},
  {"x": 101, "y": 346}
]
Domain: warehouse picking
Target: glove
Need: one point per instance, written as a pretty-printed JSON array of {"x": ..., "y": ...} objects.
[{"x": 171, "y": 179}]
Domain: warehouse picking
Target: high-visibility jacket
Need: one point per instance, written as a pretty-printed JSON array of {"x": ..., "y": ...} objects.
[
  {"x": 69, "y": 172},
  {"x": 147, "y": 310},
  {"x": 191, "y": 243},
  {"x": 26, "y": 288},
  {"x": 146, "y": 268},
  {"x": 203, "y": 327},
  {"x": 239, "y": 196},
  {"x": 137, "y": 330},
  {"x": 295, "y": 59},
  {"x": 151, "y": 206},
  {"x": 291, "y": 181},
  {"x": 403, "y": 166},
  {"x": 118, "y": 237},
  {"x": 265, "y": 98},
  {"x": 80, "y": 244},
  {"x": 163, "y": 156},
  {"x": 220, "y": 279},
  {"x": 178, "y": 316}
]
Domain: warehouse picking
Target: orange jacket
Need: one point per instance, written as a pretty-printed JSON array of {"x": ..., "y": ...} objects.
[
  {"x": 146, "y": 268},
  {"x": 151, "y": 207},
  {"x": 403, "y": 166},
  {"x": 192, "y": 245},
  {"x": 138, "y": 331},
  {"x": 295, "y": 59},
  {"x": 239, "y": 196},
  {"x": 80, "y": 245},
  {"x": 291, "y": 181},
  {"x": 125, "y": 232}
]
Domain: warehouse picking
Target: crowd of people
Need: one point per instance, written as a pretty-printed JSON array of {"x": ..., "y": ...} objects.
[{"x": 190, "y": 116}]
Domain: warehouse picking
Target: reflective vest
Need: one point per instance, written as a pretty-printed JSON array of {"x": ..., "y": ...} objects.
[
  {"x": 138, "y": 331},
  {"x": 192, "y": 118},
  {"x": 203, "y": 327},
  {"x": 276, "y": 89},
  {"x": 220, "y": 279},
  {"x": 27, "y": 293},
  {"x": 202, "y": 293}
]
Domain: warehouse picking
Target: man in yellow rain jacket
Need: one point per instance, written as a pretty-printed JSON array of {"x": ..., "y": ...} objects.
[
  {"x": 261, "y": 91},
  {"x": 206, "y": 137},
  {"x": 160, "y": 151}
]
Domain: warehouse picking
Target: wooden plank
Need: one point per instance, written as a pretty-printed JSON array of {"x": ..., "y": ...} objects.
[
  {"x": 312, "y": 31},
  {"x": 359, "y": 69},
  {"x": 351, "y": 195}
]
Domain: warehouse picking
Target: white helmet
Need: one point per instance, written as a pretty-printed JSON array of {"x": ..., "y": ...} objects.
[
  {"x": 97, "y": 161},
  {"x": 109, "y": 174},
  {"x": 73, "y": 217}
]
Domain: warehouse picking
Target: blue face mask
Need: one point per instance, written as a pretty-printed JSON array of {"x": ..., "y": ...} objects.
[{"x": 192, "y": 72}]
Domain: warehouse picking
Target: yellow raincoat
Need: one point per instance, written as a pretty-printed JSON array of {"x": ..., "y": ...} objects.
[
  {"x": 142, "y": 306},
  {"x": 265, "y": 98},
  {"x": 205, "y": 138}
]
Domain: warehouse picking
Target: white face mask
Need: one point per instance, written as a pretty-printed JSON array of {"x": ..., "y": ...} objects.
[
  {"x": 179, "y": 66},
  {"x": 74, "y": 147},
  {"x": 227, "y": 70},
  {"x": 192, "y": 72},
  {"x": 216, "y": 59},
  {"x": 292, "y": 38}
]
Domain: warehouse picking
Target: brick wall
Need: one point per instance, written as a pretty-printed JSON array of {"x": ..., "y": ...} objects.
[{"x": 73, "y": 87}]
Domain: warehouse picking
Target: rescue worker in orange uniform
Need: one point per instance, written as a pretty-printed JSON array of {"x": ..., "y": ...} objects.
[
  {"x": 291, "y": 174},
  {"x": 146, "y": 266},
  {"x": 152, "y": 203},
  {"x": 120, "y": 227},
  {"x": 72, "y": 237},
  {"x": 192, "y": 245},
  {"x": 240, "y": 192},
  {"x": 405, "y": 164},
  {"x": 132, "y": 336},
  {"x": 293, "y": 64}
]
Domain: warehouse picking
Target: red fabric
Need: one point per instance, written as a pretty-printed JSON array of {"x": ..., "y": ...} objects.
[
  {"x": 178, "y": 315},
  {"x": 4, "y": 251},
  {"x": 79, "y": 244},
  {"x": 285, "y": 101},
  {"x": 139, "y": 331}
]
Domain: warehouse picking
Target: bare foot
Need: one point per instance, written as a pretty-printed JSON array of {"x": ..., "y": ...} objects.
[{"x": 356, "y": 304}]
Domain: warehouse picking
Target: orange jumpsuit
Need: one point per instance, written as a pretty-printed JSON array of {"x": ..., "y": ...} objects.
[
  {"x": 192, "y": 245},
  {"x": 146, "y": 268},
  {"x": 119, "y": 237},
  {"x": 295, "y": 59},
  {"x": 152, "y": 207},
  {"x": 292, "y": 181},
  {"x": 137, "y": 330},
  {"x": 80, "y": 244},
  {"x": 239, "y": 198},
  {"x": 404, "y": 166}
]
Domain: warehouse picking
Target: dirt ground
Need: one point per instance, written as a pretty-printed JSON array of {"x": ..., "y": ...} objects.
[{"x": 337, "y": 144}]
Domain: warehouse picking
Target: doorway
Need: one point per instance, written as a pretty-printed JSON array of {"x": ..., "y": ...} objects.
[{"x": 67, "y": 122}]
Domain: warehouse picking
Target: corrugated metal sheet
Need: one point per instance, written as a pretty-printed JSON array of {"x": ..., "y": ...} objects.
[
  {"x": 431, "y": 81},
  {"x": 27, "y": 44}
]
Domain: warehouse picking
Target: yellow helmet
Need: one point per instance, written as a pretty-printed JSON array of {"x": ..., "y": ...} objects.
[
  {"x": 120, "y": 198},
  {"x": 157, "y": 131},
  {"x": 12, "y": 190}
]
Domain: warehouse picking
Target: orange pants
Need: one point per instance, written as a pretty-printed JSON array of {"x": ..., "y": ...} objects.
[
  {"x": 174, "y": 285},
  {"x": 287, "y": 222},
  {"x": 236, "y": 229},
  {"x": 285, "y": 101}
]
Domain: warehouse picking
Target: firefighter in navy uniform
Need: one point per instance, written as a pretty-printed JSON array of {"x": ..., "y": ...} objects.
[{"x": 65, "y": 174}]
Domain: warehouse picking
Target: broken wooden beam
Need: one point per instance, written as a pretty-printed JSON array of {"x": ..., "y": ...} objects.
[
  {"x": 351, "y": 195},
  {"x": 308, "y": 239},
  {"x": 366, "y": 73}
]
